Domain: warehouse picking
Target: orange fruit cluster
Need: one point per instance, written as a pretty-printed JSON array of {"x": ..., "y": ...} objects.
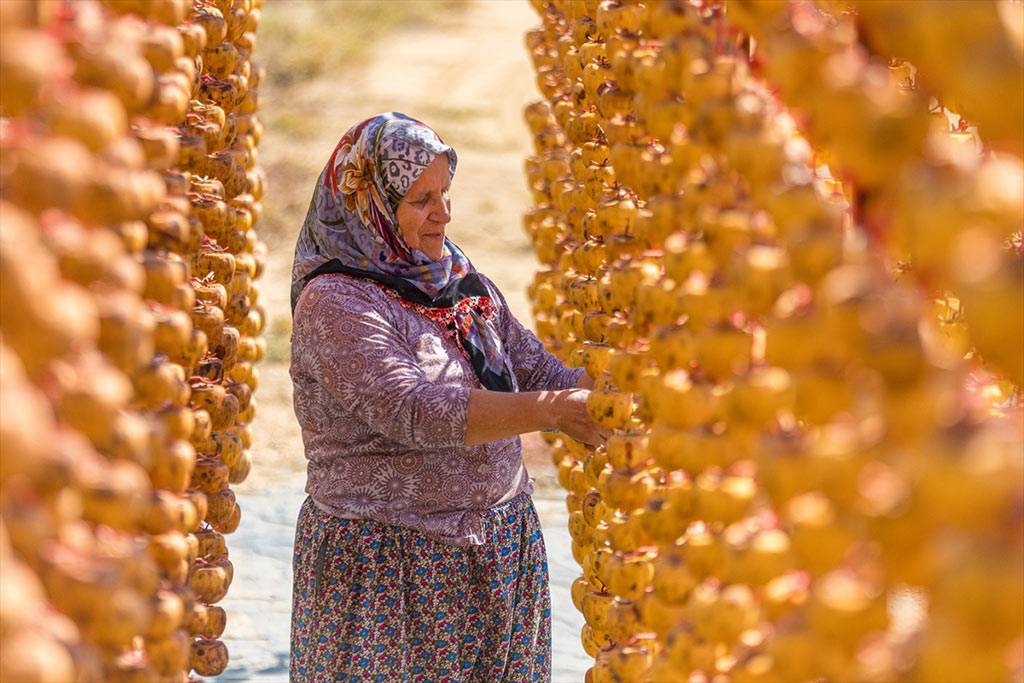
[
  {"x": 796, "y": 283},
  {"x": 130, "y": 330}
]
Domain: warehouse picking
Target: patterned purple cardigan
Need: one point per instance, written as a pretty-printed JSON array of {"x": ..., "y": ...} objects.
[{"x": 381, "y": 394}]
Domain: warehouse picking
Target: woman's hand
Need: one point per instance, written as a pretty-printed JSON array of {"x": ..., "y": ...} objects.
[
  {"x": 571, "y": 416},
  {"x": 495, "y": 415}
]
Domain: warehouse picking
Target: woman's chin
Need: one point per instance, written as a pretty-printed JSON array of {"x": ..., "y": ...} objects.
[
  {"x": 431, "y": 254},
  {"x": 433, "y": 247}
]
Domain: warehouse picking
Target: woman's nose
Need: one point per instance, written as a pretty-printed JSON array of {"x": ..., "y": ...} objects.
[{"x": 442, "y": 212}]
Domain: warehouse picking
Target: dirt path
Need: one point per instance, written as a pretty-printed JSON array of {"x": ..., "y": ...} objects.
[{"x": 468, "y": 76}]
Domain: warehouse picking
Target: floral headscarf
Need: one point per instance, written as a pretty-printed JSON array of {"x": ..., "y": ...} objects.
[{"x": 352, "y": 227}]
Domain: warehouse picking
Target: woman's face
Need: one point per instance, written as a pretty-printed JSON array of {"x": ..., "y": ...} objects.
[{"x": 425, "y": 209}]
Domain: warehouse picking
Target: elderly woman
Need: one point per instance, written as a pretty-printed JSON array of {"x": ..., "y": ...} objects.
[{"x": 418, "y": 553}]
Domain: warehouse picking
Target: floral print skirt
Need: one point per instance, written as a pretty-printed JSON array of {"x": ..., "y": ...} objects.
[{"x": 375, "y": 602}]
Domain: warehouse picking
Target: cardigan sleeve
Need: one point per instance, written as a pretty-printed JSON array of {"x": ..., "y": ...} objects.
[
  {"x": 362, "y": 360},
  {"x": 535, "y": 368}
]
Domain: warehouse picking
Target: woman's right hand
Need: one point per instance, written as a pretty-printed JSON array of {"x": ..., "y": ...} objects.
[{"x": 570, "y": 415}]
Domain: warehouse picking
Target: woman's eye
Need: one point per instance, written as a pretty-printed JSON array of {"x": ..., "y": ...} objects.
[{"x": 420, "y": 203}]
